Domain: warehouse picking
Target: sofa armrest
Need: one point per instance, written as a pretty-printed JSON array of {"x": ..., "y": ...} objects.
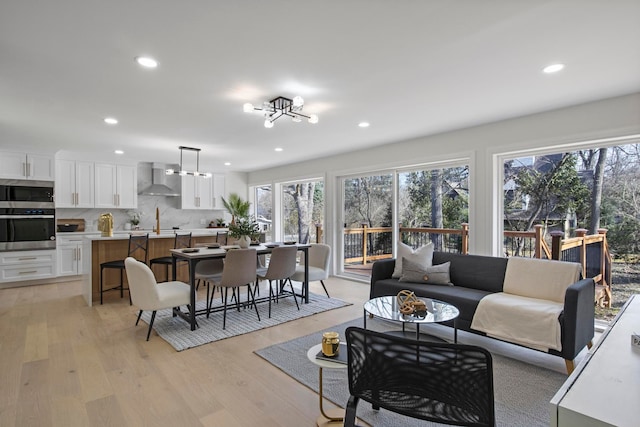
[
  {"x": 382, "y": 269},
  {"x": 578, "y": 317}
]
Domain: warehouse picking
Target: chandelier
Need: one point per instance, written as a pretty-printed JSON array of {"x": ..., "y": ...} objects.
[
  {"x": 280, "y": 107},
  {"x": 182, "y": 171}
]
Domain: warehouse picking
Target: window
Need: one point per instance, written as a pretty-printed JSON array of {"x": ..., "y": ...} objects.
[{"x": 302, "y": 210}]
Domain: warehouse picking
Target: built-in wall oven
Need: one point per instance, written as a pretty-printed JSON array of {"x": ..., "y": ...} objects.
[{"x": 27, "y": 215}]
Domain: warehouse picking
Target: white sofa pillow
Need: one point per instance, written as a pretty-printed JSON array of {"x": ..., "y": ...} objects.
[
  {"x": 423, "y": 256},
  {"x": 540, "y": 278}
]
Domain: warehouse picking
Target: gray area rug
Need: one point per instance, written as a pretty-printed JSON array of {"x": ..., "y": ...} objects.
[
  {"x": 522, "y": 391},
  {"x": 176, "y": 331}
]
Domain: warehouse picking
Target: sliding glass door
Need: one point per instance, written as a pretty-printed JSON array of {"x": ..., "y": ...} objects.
[{"x": 367, "y": 217}]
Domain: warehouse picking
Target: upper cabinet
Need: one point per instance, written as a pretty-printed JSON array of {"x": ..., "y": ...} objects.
[
  {"x": 197, "y": 192},
  {"x": 218, "y": 190},
  {"x": 116, "y": 186},
  {"x": 203, "y": 193},
  {"x": 18, "y": 165},
  {"x": 74, "y": 184}
]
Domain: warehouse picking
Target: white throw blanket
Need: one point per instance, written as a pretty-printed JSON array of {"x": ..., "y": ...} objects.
[
  {"x": 527, "y": 321},
  {"x": 527, "y": 311}
]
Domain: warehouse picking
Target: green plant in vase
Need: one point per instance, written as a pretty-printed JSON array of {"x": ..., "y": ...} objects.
[{"x": 244, "y": 229}]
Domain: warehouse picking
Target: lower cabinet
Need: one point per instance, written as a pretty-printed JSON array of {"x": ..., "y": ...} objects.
[
  {"x": 27, "y": 265},
  {"x": 70, "y": 258}
]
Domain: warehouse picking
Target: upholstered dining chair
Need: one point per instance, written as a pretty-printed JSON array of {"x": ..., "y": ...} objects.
[
  {"x": 209, "y": 271},
  {"x": 319, "y": 257},
  {"x": 138, "y": 245},
  {"x": 282, "y": 265},
  {"x": 147, "y": 294},
  {"x": 239, "y": 270},
  {"x": 439, "y": 382},
  {"x": 181, "y": 241}
]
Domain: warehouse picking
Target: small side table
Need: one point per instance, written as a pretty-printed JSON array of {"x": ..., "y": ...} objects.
[{"x": 333, "y": 416}]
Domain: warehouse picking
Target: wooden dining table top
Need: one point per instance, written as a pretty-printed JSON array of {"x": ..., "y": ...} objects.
[{"x": 220, "y": 252}]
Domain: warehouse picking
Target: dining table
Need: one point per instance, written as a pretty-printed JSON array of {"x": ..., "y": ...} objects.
[{"x": 194, "y": 255}]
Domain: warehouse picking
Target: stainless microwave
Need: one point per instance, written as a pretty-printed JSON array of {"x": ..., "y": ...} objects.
[{"x": 27, "y": 191}]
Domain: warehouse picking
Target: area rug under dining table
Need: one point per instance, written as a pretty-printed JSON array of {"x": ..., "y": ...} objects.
[
  {"x": 176, "y": 331},
  {"x": 522, "y": 391}
]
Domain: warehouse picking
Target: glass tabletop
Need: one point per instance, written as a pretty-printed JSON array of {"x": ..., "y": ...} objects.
[{"x": 387, "y": 308}]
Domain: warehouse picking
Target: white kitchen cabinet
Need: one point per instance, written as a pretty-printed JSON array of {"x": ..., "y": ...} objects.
[
  {"x": 197, "y": 192},
  {"x": 20, "y": 165},
  {"x": 116, "y": 186},
  {"x": 69, "y": 256},
  {"x": 74, "y": 184},
  {"x": 219, "y": 182},
  {"x": 17, "y": 266}
]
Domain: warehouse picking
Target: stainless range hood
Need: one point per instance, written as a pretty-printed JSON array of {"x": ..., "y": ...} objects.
[{"x": 159, "y": 185}]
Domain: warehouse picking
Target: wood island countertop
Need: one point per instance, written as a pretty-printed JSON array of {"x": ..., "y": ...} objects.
[{"x": 97, "y": 249}]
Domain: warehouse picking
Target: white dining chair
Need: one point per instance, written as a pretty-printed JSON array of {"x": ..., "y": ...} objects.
[
  {"x": 319, "y": 257},
  {"x": 147, "y": 294}
]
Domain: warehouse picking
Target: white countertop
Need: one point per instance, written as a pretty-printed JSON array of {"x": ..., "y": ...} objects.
[{"x": 124, "y": 234}]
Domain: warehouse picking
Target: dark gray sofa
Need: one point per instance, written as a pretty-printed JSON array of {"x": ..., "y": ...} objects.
[{"x": 475, "y": 276}]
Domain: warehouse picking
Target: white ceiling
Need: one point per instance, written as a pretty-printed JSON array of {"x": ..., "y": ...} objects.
[{"x": 409, "y": 67}]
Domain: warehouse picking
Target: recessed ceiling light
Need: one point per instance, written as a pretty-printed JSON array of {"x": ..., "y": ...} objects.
[
  {"x": 553, "y": 68},
  {"x": 111, "y": 120},
  {"x": 363, "y": 124},
  {"x": 147, "y": 61},
  {"x": 279, "y": 149},
  {"x": 227, "y": 163},
  {"x": 119, "y": 152}
]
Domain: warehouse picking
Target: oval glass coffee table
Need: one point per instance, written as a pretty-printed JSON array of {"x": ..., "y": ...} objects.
[{"x": 387, "y": 308}]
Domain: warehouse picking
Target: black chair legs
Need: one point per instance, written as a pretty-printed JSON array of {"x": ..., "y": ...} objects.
[
  {"x": 350, "y": 412},
  {"x": 153, "y": 317},
  {"x": 325, "y": 288}
]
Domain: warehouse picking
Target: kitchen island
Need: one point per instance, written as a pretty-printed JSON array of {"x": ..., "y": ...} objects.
[{"x": 98, "y": 249}]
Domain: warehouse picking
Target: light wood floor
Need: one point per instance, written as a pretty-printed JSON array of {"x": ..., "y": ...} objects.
[{"x": 65, "y": 364}]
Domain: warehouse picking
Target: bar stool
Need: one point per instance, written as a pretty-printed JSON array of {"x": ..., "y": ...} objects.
[
  {"x": 181, "y": 241},
  {"x": 221, "y": 237},
  {"x": 138, "y": 244}
]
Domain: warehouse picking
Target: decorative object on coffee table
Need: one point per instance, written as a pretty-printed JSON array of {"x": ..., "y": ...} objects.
[{"x": 410, "y": 304}]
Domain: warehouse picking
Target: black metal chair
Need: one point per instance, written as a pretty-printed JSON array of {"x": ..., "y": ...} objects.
[
  {"x": 181, "y": 241},
  {"x": 221, "y": 237},
  {"x": 439, "y": 382},
  {"x": 138, "y": 245}
]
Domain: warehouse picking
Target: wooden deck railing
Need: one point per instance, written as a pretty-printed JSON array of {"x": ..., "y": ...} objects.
[{"x": 367, "y": 244}]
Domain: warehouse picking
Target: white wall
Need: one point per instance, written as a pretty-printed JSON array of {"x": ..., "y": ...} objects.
[{"x": 610, "y": 118}]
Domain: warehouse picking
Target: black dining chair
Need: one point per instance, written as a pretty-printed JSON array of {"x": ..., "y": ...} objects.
[
  {"x": 221, "y": 237},
  {"x": 445, "y": 383},
  {"x": 138, "y": 249},
  {"x": 181, "y": 241}
]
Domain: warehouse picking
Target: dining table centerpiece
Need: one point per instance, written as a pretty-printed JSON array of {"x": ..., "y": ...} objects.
[{"x": 244, "y": 230}]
